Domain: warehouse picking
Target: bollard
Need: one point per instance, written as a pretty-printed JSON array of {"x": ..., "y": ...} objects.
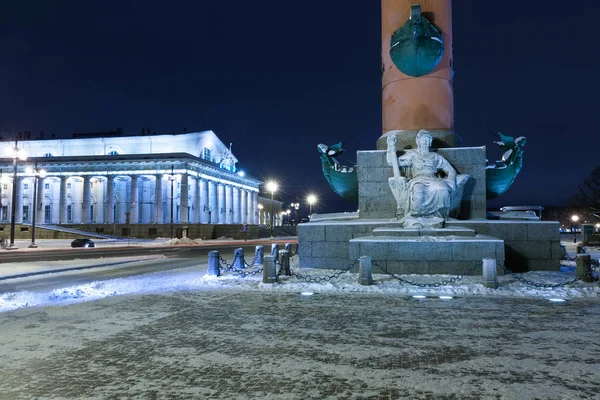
[
  {"x": 213, "y": 263},
  {"x": 274, "y": 249},
  {"x": 583, "y": 268},
  {"x": 364, "y": 271},
  {"x": 258, "y": 255},
  {"x": 284, "y": 260},
  {"x": 269, "y": 270},
  {"x": 490, "y": 278},
  {"x": 238, "y": 258},
  {"x": 288, "y": 247}
]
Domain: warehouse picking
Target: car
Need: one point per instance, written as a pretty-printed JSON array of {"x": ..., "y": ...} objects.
[{"x": 83, "y": 243}]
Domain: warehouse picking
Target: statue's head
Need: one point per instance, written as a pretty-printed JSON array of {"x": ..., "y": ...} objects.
[{"x": 424, "y": 139}]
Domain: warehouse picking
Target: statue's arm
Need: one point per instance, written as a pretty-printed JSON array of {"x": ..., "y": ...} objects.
[{"x": 450, "y": 172}]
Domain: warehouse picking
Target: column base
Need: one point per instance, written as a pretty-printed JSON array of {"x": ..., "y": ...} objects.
[
  {"x": 406, "y": 139},
  {"x": 11, "y": 247},
  {"x": 33, "y": 246}
]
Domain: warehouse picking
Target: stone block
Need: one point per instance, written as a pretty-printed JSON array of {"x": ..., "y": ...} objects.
[
  {"x": 543, "y": 230},
  {"x": 368, "y": 189},
  {"x": 473, "y": 251},
  {"x": 305, "y": 249},
  {"x": 530, "y": 249},
  {"x": 556, "y": 250},
  {"x": 481, "y": 227},
  {"x": 380, "y": 175},
  {"x": 407, "y": 267},
  {"x": 330, "y": 249},
  {"x": 311, "y": 233},
  {"x": 338, "y": 233},
  {"x": 542, "y": 265},
  {"x": 417, "y": 251},
  {"x": 376, "y": 250},
  {"x": 454, "y": 267},
  {"x": 508, "y": 231},
  {"x": 371, "y": 159}
]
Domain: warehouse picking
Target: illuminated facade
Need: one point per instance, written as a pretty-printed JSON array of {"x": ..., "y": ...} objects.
[{"x": 188, "y": 178}]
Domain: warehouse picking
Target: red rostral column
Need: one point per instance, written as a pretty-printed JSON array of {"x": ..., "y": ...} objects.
[{"x": 425, "y": 102}]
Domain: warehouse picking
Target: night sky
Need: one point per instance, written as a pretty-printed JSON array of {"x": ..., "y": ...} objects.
[{"x": 275, "y": 78}]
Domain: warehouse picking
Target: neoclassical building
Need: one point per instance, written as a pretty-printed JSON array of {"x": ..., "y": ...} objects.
[{"x": 188, "y": 178}]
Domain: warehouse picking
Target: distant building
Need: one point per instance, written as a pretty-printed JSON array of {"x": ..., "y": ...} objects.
[{"x": 189, "y": 178}]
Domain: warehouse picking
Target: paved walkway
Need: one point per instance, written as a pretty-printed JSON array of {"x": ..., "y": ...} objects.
[{"x": 253, "y": 345}]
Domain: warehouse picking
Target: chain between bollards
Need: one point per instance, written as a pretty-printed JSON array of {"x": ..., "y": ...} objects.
[
  {"x": 435, "y": 284},
  {"x": 318, "y": 279}
]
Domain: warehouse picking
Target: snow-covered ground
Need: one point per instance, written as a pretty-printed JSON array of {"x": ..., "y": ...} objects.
[{"x": 196, "y": 278}]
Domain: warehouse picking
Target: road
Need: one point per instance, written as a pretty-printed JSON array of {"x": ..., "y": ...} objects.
[{"x": 110, "y": 263}]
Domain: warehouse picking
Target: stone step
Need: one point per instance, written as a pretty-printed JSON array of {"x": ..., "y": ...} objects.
[
  {"x": 429, "y": 254},
  {"x": 402, "y": 232}
]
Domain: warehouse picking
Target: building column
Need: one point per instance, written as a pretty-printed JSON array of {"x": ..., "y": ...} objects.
[
  {"x": 195, "y": 195},
  {"x": 62, "y": 202},
  {"x": 184, "y": 215},
  {"x": 86, "y": 201},
  {"x": 220, "y": 203},
  {"x": 213, "y": 204},
  {"x": 243, "y": 206},
  {"x": 249, "y": 213},
  {"x": 228, "y": 204},
  {"x": 109, "y": 202},
  {"x": 204, "y": 205},
  {"x": 236, "y": 205},
  {"x": 254, "y": 209},
  {"x": 134, "y": 201},
  {"x": 19, "y": 203},
  {"x": 158, "y": 201},
  {"x": 39, "y": 212}
]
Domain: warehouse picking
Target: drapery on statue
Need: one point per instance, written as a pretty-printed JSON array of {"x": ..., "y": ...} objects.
[{"x": 426, "y": 187}]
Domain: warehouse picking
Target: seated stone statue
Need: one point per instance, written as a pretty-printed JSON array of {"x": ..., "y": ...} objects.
[{"x": 428, "y": 189}]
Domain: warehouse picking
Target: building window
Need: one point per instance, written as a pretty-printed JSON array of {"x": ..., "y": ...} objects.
[
  {"x": 113, "y": 153},
  {"x": 207, "y": 155},
  {"x": 48, "y": 155},
  {"x": 5, "y": 187},
  {"x": 69, "y": 213},
  {"x": 69, "y": 185},
  {"x": 25, "y": 213},
  {"x": 26, "y": 186},
  {"x": 151, "y": 231},
  {"x": 92, "y": 212},
  {"x": 47, "y": 214},
  {"x": 46, "y": 186},
  {"x": 4, "y": 213}
]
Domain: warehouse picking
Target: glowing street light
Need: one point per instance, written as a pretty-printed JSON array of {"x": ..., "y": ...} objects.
[
  {"x": 14, "y": 153},
  {"x": 35, "y": 173},
  {"x": 311, "y": 199},
  {"x": 272, "y": 187}
]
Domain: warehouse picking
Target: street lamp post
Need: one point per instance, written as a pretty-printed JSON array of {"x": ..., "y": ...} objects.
[
  {"x": 575, "y": 219},
  {"x": 41, "y": 174},
  {"x": 272, "y": 187},
  {"x": 20, "y": 154}
]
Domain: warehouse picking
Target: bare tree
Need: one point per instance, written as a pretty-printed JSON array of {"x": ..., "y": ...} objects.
[{"x": 588, "y": 194}]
